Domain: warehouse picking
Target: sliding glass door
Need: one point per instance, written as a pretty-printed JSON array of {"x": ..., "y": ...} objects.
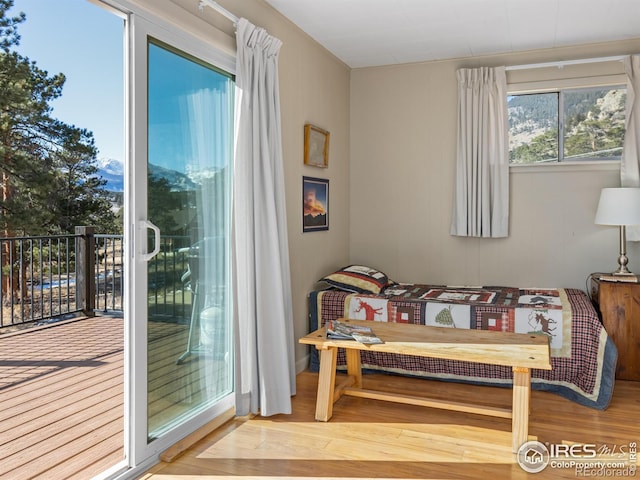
[
  {"x": 189, "y": 364},
  {"x": 180, "y": 210}
]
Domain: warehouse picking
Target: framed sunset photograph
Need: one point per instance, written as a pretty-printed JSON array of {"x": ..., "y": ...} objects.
[{"x": 315, "y": 204}]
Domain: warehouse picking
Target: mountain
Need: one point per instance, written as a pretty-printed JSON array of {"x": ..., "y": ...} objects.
[
  {"x": 178, "y": 182},
  {"x": 112, "y": 170},
  {"x": 593, "y": 121}
]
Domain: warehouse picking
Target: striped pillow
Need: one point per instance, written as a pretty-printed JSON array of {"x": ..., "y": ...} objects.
[{"x": 357, "y": 279}]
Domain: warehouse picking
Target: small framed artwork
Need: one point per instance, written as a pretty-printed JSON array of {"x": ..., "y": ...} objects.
[
  {"x": 316, "y": 146},
  {"x": 315, "y": 204}
]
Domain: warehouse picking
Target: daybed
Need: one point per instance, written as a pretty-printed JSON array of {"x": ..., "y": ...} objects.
[{"x": 583, "y": 356}]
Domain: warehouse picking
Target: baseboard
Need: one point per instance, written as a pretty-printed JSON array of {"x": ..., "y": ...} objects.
[{"x": 302, "y": 364}]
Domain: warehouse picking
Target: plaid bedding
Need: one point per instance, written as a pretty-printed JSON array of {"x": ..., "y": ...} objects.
[{"x": 583, "y": 355}]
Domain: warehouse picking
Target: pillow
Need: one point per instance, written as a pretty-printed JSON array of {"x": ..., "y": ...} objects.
[{"x": 357, "y": 279}]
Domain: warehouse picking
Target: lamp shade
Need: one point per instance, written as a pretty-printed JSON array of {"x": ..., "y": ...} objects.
[{"x": 619, "y": 206}]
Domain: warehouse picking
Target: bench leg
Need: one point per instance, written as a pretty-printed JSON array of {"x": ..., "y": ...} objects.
[
  {"x": 326, "y": 383},
  {"x": 354, "y": 366},
  {"x": 520, "y": 409}
]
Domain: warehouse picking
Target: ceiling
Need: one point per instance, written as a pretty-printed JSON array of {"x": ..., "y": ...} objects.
[{"x": 364, "y": 33}]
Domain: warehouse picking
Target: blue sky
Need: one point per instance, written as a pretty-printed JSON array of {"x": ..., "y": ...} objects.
[{"x": 85, "y": 42}]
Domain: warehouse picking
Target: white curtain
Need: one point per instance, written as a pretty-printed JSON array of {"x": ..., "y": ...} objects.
[
  {"x": 207, "y": 139},
  {"x": 265, "y": 374},
  {"x": 630, "y": 164},
  {"x": 481, "y": 203}
]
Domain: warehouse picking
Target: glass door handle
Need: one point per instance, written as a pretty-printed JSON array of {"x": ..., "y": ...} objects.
[{"x": 144, "y": 225}]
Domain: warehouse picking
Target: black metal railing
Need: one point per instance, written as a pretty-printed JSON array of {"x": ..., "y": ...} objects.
[
  {"x": 51, "y": 278},
  {"x": 37, "y": 279},
  {"x": 168, "y": 294},
  {"x": 109, "y": 263}
]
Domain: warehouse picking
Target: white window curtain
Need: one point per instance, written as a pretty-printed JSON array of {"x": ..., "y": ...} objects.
[
  {"x": 630, "y": 164},
  {"x": 265, "y": 374},
  {"x": 207, "y": 135},
  {"x": 481, "y": 203}
]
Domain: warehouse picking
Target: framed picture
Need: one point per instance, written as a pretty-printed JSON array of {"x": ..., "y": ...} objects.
[
  {"x": 316, "y": 146},
  {"x": 315, "y": 204}
]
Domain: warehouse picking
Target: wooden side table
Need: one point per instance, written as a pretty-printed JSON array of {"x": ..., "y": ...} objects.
[{"x": 619, "y": 305}]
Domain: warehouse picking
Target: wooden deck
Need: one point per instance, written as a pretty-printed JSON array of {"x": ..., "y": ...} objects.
[
  {"x": 61, "y": 399},
  {"x": 62, "y": 395}
]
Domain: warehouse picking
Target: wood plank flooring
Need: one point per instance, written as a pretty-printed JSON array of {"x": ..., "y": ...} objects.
[{"x": 373, "y": 439}]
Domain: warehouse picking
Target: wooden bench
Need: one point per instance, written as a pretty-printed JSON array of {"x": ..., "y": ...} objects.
[{"x": 519, "y": 351}]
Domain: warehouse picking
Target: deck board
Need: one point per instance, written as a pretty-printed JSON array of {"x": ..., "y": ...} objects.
[
  {"x": 61, "y": 397},
  {"x": 62, "y": 394}
]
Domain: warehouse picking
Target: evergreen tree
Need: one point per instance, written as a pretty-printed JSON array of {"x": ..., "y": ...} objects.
[
  {"x": 8, "y": 31},
  {"x": 47, "y": 181},
  {"x": 46, "y": 165},
  {"x": 593, "y": 125},
  {"x": 542, "y": 147},
  {"x": 78, "y": 196},
  {"x": 163, "y": 205}
]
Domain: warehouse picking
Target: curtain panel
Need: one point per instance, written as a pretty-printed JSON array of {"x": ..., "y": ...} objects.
[
  {"x": 481, "y": 202},
  {"x": 630, "y": 164},
  {"x": 263, "y": 314}
]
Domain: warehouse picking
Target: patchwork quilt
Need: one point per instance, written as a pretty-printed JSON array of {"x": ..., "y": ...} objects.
[{"x": 583, "y": 355}]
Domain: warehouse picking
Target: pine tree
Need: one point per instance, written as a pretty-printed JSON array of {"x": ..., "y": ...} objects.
[
  {"x": 78, "y": 196},
  {"x": 10, "y": 97},
  {"x": 47, "y": 168},
  {"x": 49, "y": 181}
]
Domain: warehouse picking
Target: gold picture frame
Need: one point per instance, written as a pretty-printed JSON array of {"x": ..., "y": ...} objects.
[{"x": 316, "y": 146}]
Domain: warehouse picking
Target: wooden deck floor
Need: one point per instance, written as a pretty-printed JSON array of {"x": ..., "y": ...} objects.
[
  {"x": 61, "y": 400},
  {"x": 62, "y": 395}
]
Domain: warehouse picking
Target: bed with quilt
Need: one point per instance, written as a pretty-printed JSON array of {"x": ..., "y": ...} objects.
[{"x": 583, "y": 355}]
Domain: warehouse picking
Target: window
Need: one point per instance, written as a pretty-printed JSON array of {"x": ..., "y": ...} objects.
[{"x": 567, "y": 125}]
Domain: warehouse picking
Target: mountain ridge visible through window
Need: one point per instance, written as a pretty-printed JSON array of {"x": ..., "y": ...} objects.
[{"x": 567, "y": 125}]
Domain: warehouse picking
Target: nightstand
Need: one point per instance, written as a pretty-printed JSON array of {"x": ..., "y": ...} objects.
[{"x": 619, "y": 305}]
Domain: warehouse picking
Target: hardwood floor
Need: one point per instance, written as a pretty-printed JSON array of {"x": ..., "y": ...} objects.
[{"x": 372, "y": 439}]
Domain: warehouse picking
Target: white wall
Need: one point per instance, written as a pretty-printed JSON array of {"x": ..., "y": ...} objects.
[{"x": 403, "y": 139}]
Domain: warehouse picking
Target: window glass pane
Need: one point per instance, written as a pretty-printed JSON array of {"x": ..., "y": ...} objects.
[
  {"x": 189, "y": 199},
  {"x": 594, "y": 123},
  {"x": 533, "y": 128}
]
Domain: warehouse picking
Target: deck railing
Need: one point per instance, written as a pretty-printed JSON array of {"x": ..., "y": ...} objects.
[
  {"x": 108, "y": 263},
  {"x": 49, "y": 278},
  {"x": 37, "y": 278}
]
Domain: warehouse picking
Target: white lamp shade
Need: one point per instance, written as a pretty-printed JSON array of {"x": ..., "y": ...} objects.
[{"x": 619, "y": 206}]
